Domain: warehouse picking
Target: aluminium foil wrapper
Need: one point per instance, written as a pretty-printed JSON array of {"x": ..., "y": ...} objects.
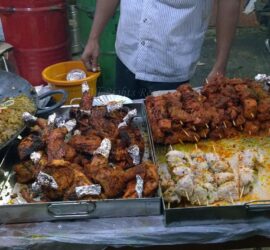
[
  {"x": 105, "y": 148},
  {"x": 60, "y": 122},
  {"x": 28, "y": 118},
  {"x": 69, "y": 125},
  {"x": 77, "y": 132},
  {"x": 45, "y": 180},
  {"x": 112, "y": 106},
  {"x": 130, "y": 115},
  {"x": 94, "y": 189},
  {"x": 134, "y": 152},
  {"x": 51, "y": 119},
  {"x": 86, "y": 112},
  {"x": 139, "y": 186},
  {"x": 35, "y": 157},
  {"x": 85, "y": 87},
  {"x": 262, "y": 78}
]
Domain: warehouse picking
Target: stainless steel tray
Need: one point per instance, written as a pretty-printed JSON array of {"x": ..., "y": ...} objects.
[
  {"x": 52, "y": 211},
  {"x": 199, "y": 215},
  {"x": 213, "y": 215}
]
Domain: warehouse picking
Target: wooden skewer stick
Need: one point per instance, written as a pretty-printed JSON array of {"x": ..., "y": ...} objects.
[
  {"x": 196, "y": 146},
  {"x": 231, "y": 198},
  {"x": 206, "y": 80},
  {"x": 225, "y": 125},
  {"x": 186, "y": 133},
  {"x": 181, "y": 123},
  {"x": 252, "y": 115},
  {"x": 181, "y": 141},
  {"x": 234, "y": 124},
  {"x": 198, "y": 201},
  {"x": 187, "y": 195},
  {"x": 169, "y": 205},
  {"x": 214, "y": 148},
  {"x": 242, "y": 192},
  {"x": 196, "y": 139},
  {"x": 171, "y": 148},
  {"x": 194, "y": 128},
  {"x": 206, "y": 125}
]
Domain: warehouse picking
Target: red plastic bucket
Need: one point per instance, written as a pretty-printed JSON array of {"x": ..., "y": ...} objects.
[{"x": 38, "y": 30}]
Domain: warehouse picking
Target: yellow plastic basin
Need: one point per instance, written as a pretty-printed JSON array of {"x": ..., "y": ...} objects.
[{"x": 55, "y": 75}]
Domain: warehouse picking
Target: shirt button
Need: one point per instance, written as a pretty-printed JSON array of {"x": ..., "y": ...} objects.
[
  {"x": 145, "y": 20},
  {"x": 142, "y": 43}
]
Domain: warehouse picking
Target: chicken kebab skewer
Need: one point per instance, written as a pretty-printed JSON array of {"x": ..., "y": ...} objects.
[{"x": 206, "y": 178}]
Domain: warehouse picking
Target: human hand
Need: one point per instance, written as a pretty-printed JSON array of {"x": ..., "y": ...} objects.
[
  {"x": 90, "y": 55},
  {"x": 214, "y": 74}
]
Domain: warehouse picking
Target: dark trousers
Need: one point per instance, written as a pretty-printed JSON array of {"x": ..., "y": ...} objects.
[{"x": 127, "y": 85}]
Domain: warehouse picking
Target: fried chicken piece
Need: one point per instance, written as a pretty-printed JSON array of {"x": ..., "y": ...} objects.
[
  {"x": 117, "y": 116},
  {"x": 250, "y": 108},
  {"x": 184, "y": 135},
  {"x": 106, "y": 127},
  {"x": 265, "y": 128},
  {"x": 63, "y": 175},
  {"x": 240, "y": 120},
  {"x": 158, "y": 135},
  {"x": 184, "y": 88},
  {"x": 258, "y": 90},
  {"x": 151, "y": 179},
  {"x": 130, "y": 191},
  {"x": 28, "y": 145},
  {"x": 178, "y": 114},
  {"x": 121, "y": 157},
  {"x": 159, "y": 107},
  {"x": 87, "y": 100},
  {"x": 165, "y": 125},
  {"x": 231, "y": 132},
  {"x": 252, "y": 127},
  {"x": 79, "y": 180},
  {"x": 126, "y": 137},
  {"x": 25, "y": 172},
  {"x": 244, "y": 92},
  {"x": 57, "y": 148},
  {"x": 148, "y": 172},
  {"x": 85, "y": 144},
  {"x": 233, "y": 111},
  {"x": 264, "y": 106},
  {"x": 110, "y": 179},
  {"x": 131, "y": 173},
  {"x": 217, "y": 133},
  {"x": 203, "y": 133},
  {"x": 172, "y": 98},
  {"x": 216, "y": 116}
]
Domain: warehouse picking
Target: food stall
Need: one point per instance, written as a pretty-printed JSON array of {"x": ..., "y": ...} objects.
[
  {"x": 188, "y": 167},
  {"x": 98, "y": 218}
]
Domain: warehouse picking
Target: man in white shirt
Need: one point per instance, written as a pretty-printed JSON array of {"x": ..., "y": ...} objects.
[{"x": 158, "y": 42}]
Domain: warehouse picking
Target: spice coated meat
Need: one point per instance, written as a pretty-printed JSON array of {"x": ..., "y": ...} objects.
[
  {"x": 89, "y": 157},
  {"x": 223, "y": 108},
  {"x": 201, "y": 178}
]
